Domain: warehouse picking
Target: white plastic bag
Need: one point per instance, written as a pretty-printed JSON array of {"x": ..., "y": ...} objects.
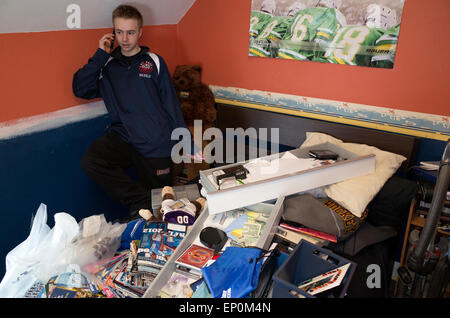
[
  {"x": 48, "y": 252},
  {"x": 36, "y": 258}
]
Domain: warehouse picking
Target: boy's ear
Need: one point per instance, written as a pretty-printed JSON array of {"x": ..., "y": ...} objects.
[{"x": 140, "y": 32}]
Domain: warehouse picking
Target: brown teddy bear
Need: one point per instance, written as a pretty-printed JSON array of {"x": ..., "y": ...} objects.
[{"x": 196, "y": 99}]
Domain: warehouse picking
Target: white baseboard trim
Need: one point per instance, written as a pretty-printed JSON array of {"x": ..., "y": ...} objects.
[{"x": 33, "y": 124}]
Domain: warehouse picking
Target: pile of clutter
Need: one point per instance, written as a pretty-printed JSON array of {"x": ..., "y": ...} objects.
[
  {"x": 95, "y": 258},
  {"x": 114, "y": 278},
  {"x": 85, "y": 259}
]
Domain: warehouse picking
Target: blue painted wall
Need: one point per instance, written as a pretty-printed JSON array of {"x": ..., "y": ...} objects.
[
  {"x": 45, "y": 167},
  {"x": 430, "y": 150}
]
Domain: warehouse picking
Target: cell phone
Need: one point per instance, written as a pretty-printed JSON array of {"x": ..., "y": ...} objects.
[
  {"x": 323, "y": 154},
  {"x": 239, "y": 172},
  {"x": 112, "y": 41}
]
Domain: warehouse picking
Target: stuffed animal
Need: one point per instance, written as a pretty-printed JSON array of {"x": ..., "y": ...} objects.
[
  {"x": 182, "y": 211},
  {"x": 196, "y": 99}
]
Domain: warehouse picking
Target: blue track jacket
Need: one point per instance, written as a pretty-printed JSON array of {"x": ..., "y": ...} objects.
[{"x": 142, "y": 104}]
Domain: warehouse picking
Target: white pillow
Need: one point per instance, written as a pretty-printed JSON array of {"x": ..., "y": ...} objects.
[{"x": 356, "y": 193}]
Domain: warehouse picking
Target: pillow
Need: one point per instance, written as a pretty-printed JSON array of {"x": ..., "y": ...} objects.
[
  {"x": 355, "y": 194},
  {"x": 322, "y": 214}
]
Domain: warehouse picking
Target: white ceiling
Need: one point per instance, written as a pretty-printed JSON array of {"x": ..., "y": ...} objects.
[{"x": 50, "y": 15}]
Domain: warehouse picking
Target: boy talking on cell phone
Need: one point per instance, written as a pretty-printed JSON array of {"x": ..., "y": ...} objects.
[{"x": 139, "y": 95}]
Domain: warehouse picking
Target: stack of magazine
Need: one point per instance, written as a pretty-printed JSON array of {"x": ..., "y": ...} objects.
[{"x": 159, "y": 241}]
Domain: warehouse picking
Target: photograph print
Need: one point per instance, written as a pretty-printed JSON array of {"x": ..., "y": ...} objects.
[{"x": 350, "y": 32}]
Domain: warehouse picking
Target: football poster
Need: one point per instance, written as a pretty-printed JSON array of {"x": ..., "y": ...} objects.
[{"x": 349, "y": 32}]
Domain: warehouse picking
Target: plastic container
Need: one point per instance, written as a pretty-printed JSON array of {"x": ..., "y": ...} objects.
[{"x": 305, "y": 262}]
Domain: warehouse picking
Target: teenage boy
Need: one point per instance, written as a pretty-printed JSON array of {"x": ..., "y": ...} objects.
[{"x": 140, "y": 97}]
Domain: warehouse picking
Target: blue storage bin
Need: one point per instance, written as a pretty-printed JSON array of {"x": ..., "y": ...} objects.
[{"x": 306, "y": 262}]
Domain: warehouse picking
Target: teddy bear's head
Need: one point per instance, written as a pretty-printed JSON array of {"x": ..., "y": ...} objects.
[{"x": 185, "y": 77}]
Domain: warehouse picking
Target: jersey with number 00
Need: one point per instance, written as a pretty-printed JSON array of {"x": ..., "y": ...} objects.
[
  {"x": 353, "y": 45},
  {"x": 267, "y": 42},
  {"x": 309, "y": 34},
  {"x": 180, "y": 212},
  {"x": 258, "y": 21},
  {"x": 385, "y": 48}
]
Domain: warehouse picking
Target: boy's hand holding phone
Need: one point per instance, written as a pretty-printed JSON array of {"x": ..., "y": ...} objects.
[{"x": 106, "y": 42}]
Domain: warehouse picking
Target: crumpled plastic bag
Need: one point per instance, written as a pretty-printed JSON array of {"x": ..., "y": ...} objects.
[
  {"x": 47, "y": 252},
  {"x": 97, "y": 240},
  {"x": 36, "y": 257}
]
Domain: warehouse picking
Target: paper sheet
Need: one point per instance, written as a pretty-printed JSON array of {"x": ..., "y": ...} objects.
[{"x": 261, "y": 169}]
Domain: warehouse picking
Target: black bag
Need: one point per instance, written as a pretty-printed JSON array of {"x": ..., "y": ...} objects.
[
  {"x": 391, "y": 205},
  {"x": 268, "y": 268}
]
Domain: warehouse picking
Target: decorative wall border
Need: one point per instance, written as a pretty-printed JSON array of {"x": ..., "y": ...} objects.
[
  {"x": 405, "y": 122},
  {"x": 381, "y": 118}
]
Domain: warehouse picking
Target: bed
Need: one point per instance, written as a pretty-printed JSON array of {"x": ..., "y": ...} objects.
[
  {"x": 386, "y": 211},
  {"x": 292, "y": 130}
]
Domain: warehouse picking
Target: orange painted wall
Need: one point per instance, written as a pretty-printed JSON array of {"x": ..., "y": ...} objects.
[
  {"x": 214, "y": 34},
  {"x": 37, "y": 68}
]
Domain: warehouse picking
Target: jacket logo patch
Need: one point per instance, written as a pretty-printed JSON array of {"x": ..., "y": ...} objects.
[{"x": 145, "y": 68}]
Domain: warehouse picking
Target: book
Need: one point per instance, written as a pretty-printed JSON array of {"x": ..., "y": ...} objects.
[
  {"x": 158, "y": 242},
  {"x": 130, "y": 283},
  {"x": 445, "y": 217},
  {"x": 326, "y": 281},
  {"x": 178, "y": 286},
  {"x": 63, "y": 292},
  {"x": 312, "y": 232},
  {"x": 110, "y": 272},
  {"x": 427, "y": 205},
  {"x": 295, "y": 237},
  {"x": 148, "y": 269},
  {"x": 430, "y": 165},
  {"x": 194, "y": 258},
  {"x": 37, "y": 290}
]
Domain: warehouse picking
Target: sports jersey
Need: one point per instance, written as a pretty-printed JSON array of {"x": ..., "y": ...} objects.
[
  {"x": 267, "y": 42},
  {"x": 385, "y": 47},
  {"x": 310, "y": 32},
  {"x": 180, "y": 212},
  {"x": 353, "y": 45},
  {"x": 258, "y": 21}
]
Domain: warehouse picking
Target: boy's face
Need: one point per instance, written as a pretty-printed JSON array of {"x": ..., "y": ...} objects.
[{"x": 128, "y": 33}]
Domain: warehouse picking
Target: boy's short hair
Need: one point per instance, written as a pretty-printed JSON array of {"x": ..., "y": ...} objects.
[{"x": 128, "y": 12}]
